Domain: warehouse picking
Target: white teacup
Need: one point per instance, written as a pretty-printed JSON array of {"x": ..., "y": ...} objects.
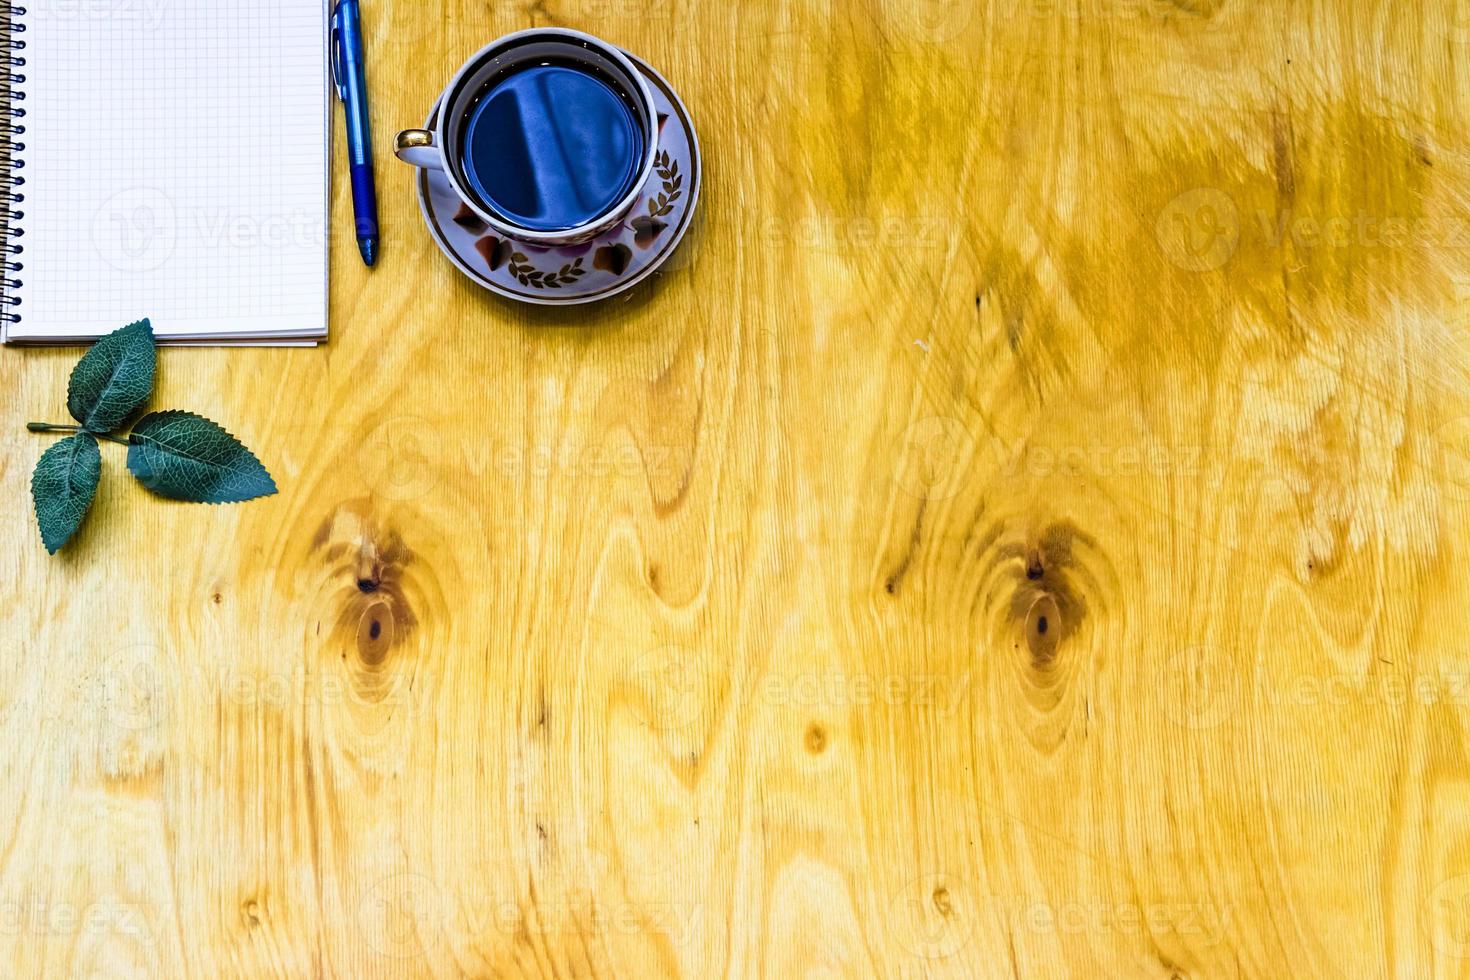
[{"x": 441, "y": 148}]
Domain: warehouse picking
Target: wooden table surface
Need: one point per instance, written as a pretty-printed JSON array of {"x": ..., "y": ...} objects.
[{"x": 1022, "y": 533}]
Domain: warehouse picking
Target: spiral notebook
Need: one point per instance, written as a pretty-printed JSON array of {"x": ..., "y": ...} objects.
[{"x": 166, "y": 159}]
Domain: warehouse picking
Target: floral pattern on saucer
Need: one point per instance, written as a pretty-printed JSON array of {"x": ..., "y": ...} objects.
[{"x": 614, "y": 261}]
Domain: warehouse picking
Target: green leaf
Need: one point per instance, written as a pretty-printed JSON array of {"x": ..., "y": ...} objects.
[
  {"x": 188, "y": 457},
  {"x": 113, "y": 378},
  {"x": 63, "y": 485}
]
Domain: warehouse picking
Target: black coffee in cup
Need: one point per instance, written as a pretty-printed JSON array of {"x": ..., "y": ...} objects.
[{"x": 551, "y": 144}]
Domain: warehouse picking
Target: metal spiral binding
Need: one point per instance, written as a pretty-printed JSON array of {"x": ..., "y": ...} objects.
[{"x": 11, "y": 148}]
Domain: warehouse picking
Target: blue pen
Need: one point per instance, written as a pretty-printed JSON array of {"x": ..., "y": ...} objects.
[{"x": 349, "y": 73}]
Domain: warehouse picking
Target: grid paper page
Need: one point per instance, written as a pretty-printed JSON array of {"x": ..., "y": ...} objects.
[{"x": 176, "y": 168}]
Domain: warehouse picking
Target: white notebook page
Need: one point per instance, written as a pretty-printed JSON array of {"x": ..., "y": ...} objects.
[{"x": 175, "y": 168}]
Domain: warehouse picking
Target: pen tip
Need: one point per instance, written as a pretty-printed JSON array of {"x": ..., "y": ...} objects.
[{"x": 369, "y": 249}]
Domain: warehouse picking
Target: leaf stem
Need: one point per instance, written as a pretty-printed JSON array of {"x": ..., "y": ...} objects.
[{"x": 52, "y": 427}]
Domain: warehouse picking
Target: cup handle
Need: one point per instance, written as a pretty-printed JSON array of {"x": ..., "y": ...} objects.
[{"x": 417, "y": 146}]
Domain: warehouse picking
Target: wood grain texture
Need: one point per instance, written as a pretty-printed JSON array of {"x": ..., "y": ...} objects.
[{"x": 1022, "y": 533}]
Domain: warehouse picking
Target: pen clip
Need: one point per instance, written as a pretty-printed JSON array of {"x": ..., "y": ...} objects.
[{"x": 337, "y": 66}]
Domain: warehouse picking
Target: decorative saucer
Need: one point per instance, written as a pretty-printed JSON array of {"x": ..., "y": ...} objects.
[{"x": 605, "y": 266}]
